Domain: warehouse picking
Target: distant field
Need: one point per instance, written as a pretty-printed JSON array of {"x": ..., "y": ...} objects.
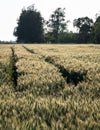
[{"x": 49, "y": 87}]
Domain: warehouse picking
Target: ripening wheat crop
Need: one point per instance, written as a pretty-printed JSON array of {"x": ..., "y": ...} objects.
[{"x": 57, "y": 87}]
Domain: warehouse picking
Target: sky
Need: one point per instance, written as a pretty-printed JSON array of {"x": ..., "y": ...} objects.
[{"x": 10, "y": 11}]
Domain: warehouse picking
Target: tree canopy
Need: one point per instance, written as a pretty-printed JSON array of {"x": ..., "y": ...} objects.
[
  {"x": 84, "y": 25},
  {"x": 30, "y": 26},
  {"x": 96, "y": 30},
  {"x": 57, "y": 24}
]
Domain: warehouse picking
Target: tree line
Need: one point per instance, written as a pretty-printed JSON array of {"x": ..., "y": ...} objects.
[{"x": 32, "y": 28}]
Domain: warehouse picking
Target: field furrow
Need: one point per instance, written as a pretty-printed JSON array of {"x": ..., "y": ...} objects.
[{"x": 36, "y": 73}]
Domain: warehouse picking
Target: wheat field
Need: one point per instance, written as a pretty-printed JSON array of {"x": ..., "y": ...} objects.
[{"x": 49, "y": 87}]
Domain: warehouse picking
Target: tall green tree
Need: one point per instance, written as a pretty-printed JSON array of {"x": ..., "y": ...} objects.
[
  {"x": 57, "y": 24},
  {"x": 84, "y": 26},
  {"x": 96, "y": 31},
  {"x": 30, "y": 26}
]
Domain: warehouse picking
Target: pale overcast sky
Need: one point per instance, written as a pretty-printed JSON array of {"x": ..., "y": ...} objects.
[{"x": 10, "y": 11}]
